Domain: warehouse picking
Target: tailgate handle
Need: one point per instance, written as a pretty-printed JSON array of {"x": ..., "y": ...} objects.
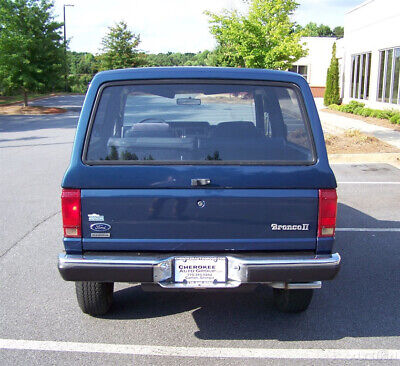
[{"x": 200, "y": 182}]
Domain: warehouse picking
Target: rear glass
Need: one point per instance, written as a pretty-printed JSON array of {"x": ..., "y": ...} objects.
[{"x": 199, "y": 124}]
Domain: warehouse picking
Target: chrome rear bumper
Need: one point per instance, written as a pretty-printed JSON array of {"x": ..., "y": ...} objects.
[{"x": 279, "y": 270}]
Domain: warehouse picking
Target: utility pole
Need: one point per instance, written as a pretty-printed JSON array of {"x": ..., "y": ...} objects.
[{"x": 65, "y": 50}]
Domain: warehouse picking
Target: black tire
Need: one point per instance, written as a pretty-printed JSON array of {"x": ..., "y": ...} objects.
[
  {"x": 94, "y": 298},
  {"x": 292, "y": 301}
]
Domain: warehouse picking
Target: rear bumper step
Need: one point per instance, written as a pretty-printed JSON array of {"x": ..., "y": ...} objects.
[{"x": 278, "y": 270}]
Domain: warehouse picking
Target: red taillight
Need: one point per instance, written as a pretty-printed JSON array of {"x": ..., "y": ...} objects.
[
  {"x": 327, "y": 212},
  {"x": 71, "y": 212}
]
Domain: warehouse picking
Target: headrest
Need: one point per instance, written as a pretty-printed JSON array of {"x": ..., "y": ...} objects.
[
  {"x": 156, "y": 129},
  {"x": 237, "y": 129}
]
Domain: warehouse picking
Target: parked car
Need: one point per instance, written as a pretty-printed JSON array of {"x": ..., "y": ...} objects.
[{"x": 189, "y": 178}]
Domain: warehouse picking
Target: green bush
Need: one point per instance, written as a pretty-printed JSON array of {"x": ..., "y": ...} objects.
[
  {"x": 356, "y": 104},
  {"x": 388, "y": 114},
  {"x": 346, "y": 108},
  {"x": 353, "y": 105},
  {"x": 376, "y": 113},
  {"x": 395, "y": 118},
  {"x": 79, "y": 83},
  {"x": 366, "y": 112},
  {"x": 358, "y": 110}
]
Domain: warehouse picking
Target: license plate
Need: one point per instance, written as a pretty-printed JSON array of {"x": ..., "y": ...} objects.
[{"x": 200, "y": 271}]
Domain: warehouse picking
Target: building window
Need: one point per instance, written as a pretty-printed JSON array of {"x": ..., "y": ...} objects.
[
  {"x": 388, "y": 81},
  {"x": 300, "y": 69},
  {"x": 360, "y": 75}
]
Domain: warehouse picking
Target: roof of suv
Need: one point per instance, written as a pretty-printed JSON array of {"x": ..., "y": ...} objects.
[{"x": 197, "y": 73}]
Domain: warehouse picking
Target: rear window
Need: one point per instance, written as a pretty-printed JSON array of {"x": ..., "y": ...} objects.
[{"x": 199, "y": 123}]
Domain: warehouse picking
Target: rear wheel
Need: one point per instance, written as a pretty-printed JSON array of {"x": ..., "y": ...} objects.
[
  {"x": 292, "y": 301},
  {"x": 94, "y": 298}
]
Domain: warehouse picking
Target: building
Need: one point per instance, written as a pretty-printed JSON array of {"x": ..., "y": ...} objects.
[
  {"x": 369, "y": 56},
  {"x": 314, "y": 66},
  {"x": 371, "y": 59}
]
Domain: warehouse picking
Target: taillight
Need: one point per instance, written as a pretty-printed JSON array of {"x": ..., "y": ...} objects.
[
  {"x": 327, "y": 212},
  {"x": 71, "y": 212}
]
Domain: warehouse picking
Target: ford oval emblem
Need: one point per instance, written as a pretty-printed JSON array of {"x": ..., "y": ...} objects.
[{"x": 100, "y": 227}]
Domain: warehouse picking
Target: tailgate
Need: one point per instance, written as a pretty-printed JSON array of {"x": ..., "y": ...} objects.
[{"x": 199, "y": 219}]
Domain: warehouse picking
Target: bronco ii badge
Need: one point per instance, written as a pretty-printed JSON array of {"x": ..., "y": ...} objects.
[
  {"x": 95, "y": 217},
  {"x": 300, "y": 227}
]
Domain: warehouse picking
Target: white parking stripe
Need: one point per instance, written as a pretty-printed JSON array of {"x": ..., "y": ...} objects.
[
  {"x": 368, "y": 182},
  {"x": 368, "y": 229},
  {"x": 265, "y": 353}
]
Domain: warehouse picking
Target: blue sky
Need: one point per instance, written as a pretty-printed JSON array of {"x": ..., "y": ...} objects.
[{"x": 171, "y": 25}]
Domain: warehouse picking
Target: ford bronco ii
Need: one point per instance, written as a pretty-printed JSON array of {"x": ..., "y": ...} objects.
[{"x": 198, "y": 178}]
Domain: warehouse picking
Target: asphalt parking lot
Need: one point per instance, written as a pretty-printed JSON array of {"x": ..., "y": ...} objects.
[{"x": 354, "y": 319}]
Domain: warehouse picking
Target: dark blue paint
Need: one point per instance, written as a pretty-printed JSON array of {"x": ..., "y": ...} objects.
[
  {"x": 198, "y": 245},
  {"x": 325, "y": 245},
  {"x": 240, "y": 219},
  {"x": 73, "y": 245}
]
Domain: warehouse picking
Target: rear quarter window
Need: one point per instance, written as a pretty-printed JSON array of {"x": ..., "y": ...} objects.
[{"x": 199, "y": 123}]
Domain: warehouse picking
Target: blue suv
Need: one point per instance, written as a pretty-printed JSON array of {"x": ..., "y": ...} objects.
[{"x": 198, "y": 178}]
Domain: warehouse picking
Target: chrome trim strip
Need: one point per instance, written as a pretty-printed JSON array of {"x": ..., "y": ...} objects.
[
  {"x": 289, "y": 261},
  {"x": 112, "y": 260},
  {"x": 324, "y": 260}
]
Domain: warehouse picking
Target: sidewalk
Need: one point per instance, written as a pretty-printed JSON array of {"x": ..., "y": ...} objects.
[{"x": 334, "y": 123}]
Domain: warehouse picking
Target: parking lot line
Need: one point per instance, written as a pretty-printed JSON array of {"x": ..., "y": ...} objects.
[
  {"x": 368, "y": 182},
  {"x": 146, "y": 350},
  {"x": 368, "y": 229}
]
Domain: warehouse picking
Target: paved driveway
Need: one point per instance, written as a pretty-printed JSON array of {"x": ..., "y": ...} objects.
[{"x": 355, "y": 317}]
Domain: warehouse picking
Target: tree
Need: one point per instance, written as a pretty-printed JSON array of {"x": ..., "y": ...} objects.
[
  {"x": 82, "y": 66},
  {"x": 313, "y": 30},
  {"x": 31, "y": 48},
  {"x": 310, "y": 30},
  {"x": 332, "y": 95},
  {"x": 338, "y": 32},
  {"x": 177, "y": 59},
  {"x": 325, "y": 31},
  {"x": 120, "y": 48},
  {"x": 263, "y": 38},
  {"x": 81, "y": 63}
]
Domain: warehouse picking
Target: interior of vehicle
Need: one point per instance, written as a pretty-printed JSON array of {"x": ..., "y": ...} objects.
[{"x": 199, "y": 123}]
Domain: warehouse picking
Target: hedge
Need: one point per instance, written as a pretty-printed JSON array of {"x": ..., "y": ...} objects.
[{"x": 359, "y": 109}]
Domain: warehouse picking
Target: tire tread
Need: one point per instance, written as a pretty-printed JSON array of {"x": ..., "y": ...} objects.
[
  {"x": 292, "y": 301},
  {"x": 94, "y": 298}
]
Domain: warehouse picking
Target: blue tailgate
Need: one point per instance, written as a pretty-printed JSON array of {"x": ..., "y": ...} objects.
[{"x": 201, "y": 219}]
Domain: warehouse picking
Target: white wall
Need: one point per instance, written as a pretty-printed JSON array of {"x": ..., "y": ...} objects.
[
  {"x": 372, "y": 26},
  {"x": 318, "y": 58}
]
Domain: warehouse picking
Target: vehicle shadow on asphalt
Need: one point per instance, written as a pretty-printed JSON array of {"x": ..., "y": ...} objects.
[{"x": 363, "y": 301}]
